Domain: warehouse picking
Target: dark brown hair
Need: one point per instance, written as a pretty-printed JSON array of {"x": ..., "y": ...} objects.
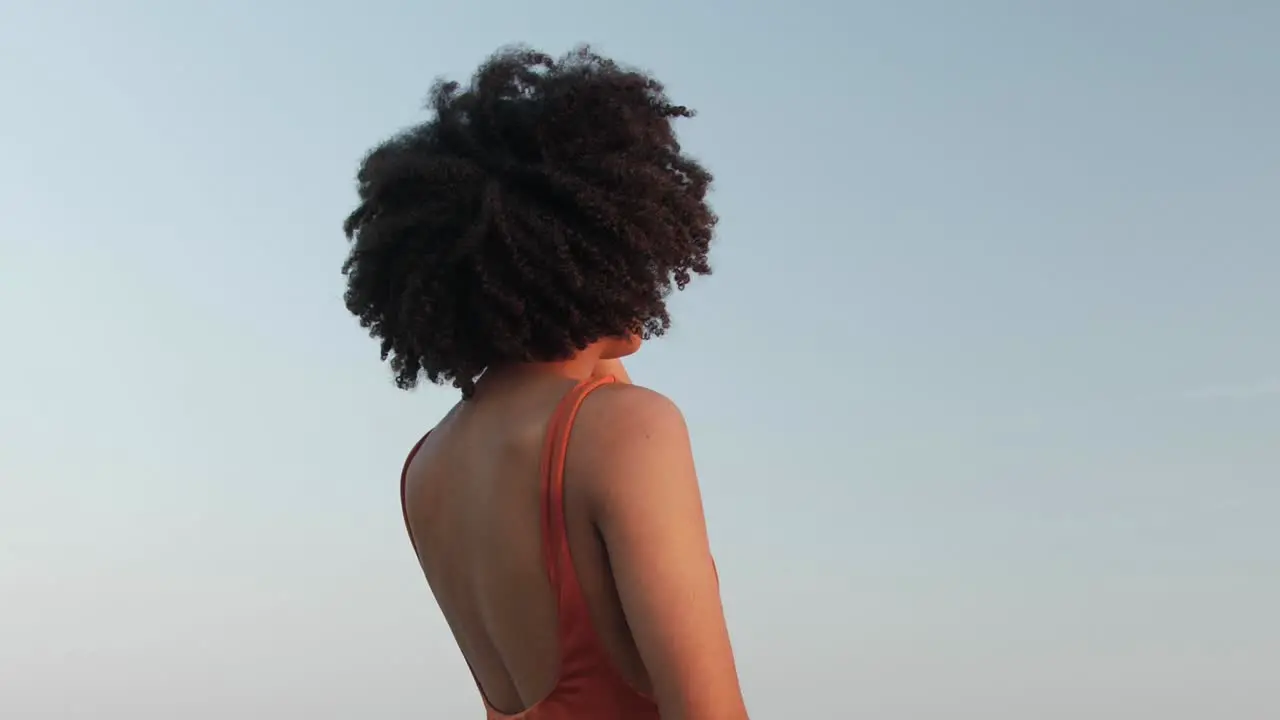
[{"x": 546, "y": 206}]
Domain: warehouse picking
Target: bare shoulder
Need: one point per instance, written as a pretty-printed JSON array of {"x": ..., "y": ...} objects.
[
  {"x": 627, "y": 414},
  {"x": 635, "y": 464},
  {"x": 629, "y": 439}
]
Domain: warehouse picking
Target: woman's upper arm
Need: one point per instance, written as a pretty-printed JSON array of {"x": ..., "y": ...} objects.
[{"x": 648, "y": 508}]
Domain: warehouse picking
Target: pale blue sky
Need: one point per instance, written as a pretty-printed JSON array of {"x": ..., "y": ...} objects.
[{"x": 985, "y": 391}]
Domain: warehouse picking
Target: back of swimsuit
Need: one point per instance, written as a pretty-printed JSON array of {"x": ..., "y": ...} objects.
[{"x": 587, "y": 686}]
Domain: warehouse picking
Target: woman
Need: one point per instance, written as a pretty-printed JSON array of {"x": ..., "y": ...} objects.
[{"x": 518, "y": 245}]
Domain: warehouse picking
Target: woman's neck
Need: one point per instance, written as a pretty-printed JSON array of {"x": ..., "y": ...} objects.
[{"x": 579, "y": 367}]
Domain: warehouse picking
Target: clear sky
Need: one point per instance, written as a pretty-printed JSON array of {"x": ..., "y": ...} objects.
[{"x": 985, "y": 391}]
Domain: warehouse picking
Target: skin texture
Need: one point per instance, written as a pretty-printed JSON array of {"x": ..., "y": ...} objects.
[
  {"x": 635, "y": 527},
  {"x": 643, "y": 498}
]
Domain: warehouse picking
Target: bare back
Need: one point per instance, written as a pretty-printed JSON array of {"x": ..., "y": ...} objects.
[
  {"x": 473, "y": 504},
  {"x": 538, "y": 548}
]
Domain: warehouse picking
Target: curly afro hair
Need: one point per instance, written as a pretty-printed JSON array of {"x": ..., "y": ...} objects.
[{"x": 546, "y": 206}]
